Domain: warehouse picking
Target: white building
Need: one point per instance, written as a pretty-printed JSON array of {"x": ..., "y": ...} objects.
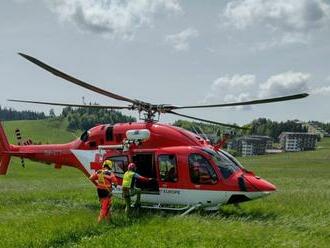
[
  {"x": 315, "y": 129},
  {"x": 250, "y": 145},
  {"x": 295, "y": 142},
  {"x": 247, "y": 149}
]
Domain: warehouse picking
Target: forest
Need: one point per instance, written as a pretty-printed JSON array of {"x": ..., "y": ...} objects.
[
  {"x": 10, "y": 114},
  {"x": 85, "y": 118}
]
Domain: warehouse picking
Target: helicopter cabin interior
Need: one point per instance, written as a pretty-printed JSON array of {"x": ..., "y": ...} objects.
[{"x": 146, "y": 167}]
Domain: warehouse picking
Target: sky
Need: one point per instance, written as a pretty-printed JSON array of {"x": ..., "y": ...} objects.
[{"x": 171, "y": 52}]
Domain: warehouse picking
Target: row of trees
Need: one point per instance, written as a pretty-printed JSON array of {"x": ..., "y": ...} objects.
[
  {"x": 263, "y": 126},
  {"x": 8, "y": 114},
  {"x": 85, "y": 118},
  {"x": 324, "y": 126},
  {"x": 198, "y": 127},
  {"x": 210, "y": 131}
]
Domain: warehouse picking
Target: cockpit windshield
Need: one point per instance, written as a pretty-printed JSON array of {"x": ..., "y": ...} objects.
[
  {"x": 84, "y": 137},
  {"x": 225, "y": 163},
  {"x": 231, "y": 157}
]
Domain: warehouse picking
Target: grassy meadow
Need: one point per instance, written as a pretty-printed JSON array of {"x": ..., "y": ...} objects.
[{"x": 44, "y": 207}]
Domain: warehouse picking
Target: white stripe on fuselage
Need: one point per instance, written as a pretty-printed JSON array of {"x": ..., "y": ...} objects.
[{"x": 192, "y": 196}]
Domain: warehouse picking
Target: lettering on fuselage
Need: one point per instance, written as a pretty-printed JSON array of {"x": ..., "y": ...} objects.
[
  {"x": 55, "y": 153},
  {"x": 169, "y": 191}
]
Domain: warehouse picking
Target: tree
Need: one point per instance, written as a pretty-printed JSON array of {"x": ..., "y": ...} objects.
[
  {"x": 85, "y": 118},
  {"x": 12, "y": 114},
  {"x": 52, "y": 113}
]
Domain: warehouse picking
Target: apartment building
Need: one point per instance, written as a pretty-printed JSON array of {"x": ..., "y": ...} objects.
[{"x": 295, "y": 141}]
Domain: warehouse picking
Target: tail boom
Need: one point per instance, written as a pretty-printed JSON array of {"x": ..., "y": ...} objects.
[{"x": 58, "y": 154}]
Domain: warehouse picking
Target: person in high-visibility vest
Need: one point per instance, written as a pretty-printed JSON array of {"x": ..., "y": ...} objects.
[
  {"x": 129, "y": 188},
  {"x": 104, "y": 180}
]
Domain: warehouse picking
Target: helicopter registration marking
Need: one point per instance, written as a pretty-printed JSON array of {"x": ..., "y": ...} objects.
[{"x": 169, "y": 191}]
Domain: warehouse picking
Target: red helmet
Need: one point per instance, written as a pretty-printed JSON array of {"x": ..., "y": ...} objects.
[{"x": 131, "y": 166}]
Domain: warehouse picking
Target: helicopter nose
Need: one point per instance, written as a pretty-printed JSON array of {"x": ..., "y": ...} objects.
[{"x": 260, "y": 184}]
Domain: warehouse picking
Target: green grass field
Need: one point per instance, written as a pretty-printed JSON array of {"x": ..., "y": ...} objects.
[{"x": 44, "y": 207}]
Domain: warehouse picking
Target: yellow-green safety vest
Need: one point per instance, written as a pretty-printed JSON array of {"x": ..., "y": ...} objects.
[
  {"x": 100, "y": 179},
  {"x": 127, "y": 179}
]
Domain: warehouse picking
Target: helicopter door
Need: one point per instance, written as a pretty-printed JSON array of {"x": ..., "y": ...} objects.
[{"x": 146, "y": 167}]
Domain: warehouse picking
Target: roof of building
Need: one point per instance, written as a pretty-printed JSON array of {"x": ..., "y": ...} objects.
[{"x": 296, "y": 133}]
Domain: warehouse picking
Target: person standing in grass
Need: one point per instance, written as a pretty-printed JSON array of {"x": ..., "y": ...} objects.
[
  {"x": 104, "y": 179},
  {"x": 129, "y": 188}
]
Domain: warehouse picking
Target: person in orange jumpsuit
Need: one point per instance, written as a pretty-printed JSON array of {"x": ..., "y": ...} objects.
[{"x": 104, "y": 179}]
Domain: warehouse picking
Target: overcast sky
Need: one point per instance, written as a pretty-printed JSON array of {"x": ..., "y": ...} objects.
[{"x": 171, "y": 51}]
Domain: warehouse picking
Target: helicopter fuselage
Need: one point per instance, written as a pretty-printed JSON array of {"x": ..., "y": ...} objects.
[{"x": 186, "y": 168}]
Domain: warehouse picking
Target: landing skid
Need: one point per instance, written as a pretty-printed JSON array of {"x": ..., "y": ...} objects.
[
  {"x": 187, "y": 209},
  {"x": 160, "y": 207},
  {"x": 192, "y": 208}
]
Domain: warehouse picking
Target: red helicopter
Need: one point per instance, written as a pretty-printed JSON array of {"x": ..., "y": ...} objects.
[{"x": 190, "y": 173}]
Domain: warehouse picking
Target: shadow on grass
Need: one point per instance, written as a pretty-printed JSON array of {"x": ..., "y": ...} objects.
[
  {"x": 238, "y": 213},
  {"x": 120, "y": 218},
  {"x": 142, "y": 216},
  {"x": 119, "y": 221}
]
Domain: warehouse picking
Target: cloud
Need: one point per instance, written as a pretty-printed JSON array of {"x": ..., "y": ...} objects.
[
  {"x": 239, "y": 88},
  {"x": 230, "y": 85},
  {"x": 179, "y": 41},
  {"x": 291, "y": 20},
  {"x": 325, "y": 91},
  {"x": 237, "y": 98},
  {"x": 290, "y": 83},
  {"x": 234, "y": 81},
  {"x": 294, "y": 15},
  {"x": 285, "y": 84},
  {"x": 111, "y": 17},
  {"x": 241, "y": 97}
]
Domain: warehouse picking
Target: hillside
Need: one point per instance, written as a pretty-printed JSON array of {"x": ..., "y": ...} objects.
[
  {"x": 44, "y": 207},
  {"x": 45, "y": 131}
]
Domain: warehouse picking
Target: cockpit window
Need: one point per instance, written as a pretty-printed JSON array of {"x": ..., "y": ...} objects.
[
  {"x": 201, "y": 171},
  {"x": 225, "y": 164},
  {"x": 168, "y": 168},
  {"x": 120, "y": 164},
  {"x": 109, "y": 133},
  {"x": 84, "y": 136}
]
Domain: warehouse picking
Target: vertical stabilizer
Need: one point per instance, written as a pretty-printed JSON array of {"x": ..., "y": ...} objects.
[{"x": 4, "y": 149}]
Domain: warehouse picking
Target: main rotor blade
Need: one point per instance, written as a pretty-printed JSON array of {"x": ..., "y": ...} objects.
[
  {"x": 208, "y": 121},
  {"x": 76, "y": 81},
  {"x": 71, "y": 105},
  {"x": 261, "y": 101}
]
